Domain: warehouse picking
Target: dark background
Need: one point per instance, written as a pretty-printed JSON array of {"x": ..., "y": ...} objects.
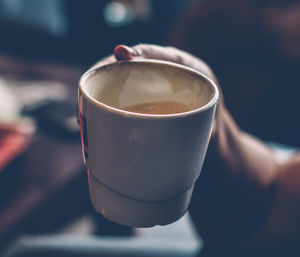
[{"x": 253, "y": 46}]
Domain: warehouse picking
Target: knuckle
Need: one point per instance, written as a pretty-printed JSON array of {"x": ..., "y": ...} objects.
[{"x": 140, "y": 49}]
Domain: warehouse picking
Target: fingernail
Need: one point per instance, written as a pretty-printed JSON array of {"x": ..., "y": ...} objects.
[{"x": 124, "y": 52}]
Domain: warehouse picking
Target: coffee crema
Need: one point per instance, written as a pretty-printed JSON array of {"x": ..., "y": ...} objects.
[{"x": 163, "y": 107}]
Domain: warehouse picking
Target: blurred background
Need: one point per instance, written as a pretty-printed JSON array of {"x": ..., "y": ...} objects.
[{"x": 252, "y": 45}]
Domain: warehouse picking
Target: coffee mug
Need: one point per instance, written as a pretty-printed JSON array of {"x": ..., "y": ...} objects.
[{"x": 145, "y": 127}]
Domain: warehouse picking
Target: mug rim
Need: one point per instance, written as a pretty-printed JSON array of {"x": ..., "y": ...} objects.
[{"x": 121, "y": 112}]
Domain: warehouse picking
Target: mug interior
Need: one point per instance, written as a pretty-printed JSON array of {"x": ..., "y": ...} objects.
[{"x": 124, "y": 84}]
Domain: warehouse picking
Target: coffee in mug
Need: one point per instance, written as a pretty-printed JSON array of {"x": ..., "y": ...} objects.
[{"x": 145, "y": 127}]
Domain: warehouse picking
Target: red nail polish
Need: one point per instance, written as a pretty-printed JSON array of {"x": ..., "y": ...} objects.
[{"x": 123, "y": 52}]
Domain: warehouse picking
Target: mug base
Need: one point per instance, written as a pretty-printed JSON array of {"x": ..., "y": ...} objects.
[{"x": 135, "y": 213}]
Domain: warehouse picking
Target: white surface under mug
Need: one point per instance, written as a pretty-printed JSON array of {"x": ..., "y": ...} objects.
[{"x": 142, "y": 167}]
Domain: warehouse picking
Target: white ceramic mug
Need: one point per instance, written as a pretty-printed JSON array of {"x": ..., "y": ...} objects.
[{"x": 142, "y": 167}]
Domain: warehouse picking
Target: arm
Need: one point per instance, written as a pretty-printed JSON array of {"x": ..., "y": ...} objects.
[{"x": 235, "y": 191}]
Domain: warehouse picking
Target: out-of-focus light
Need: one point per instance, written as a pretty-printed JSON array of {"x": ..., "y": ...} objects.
[{"x": 117, "y": 14}]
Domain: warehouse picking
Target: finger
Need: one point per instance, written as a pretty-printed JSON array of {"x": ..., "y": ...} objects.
[
  {"x": 171, "y": 54},
  {"x": 123, "y": 52},
  {"x": 148, "y": 51}
]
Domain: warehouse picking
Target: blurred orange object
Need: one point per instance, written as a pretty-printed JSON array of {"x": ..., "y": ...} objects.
[{"x": 14, "y": 139}]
